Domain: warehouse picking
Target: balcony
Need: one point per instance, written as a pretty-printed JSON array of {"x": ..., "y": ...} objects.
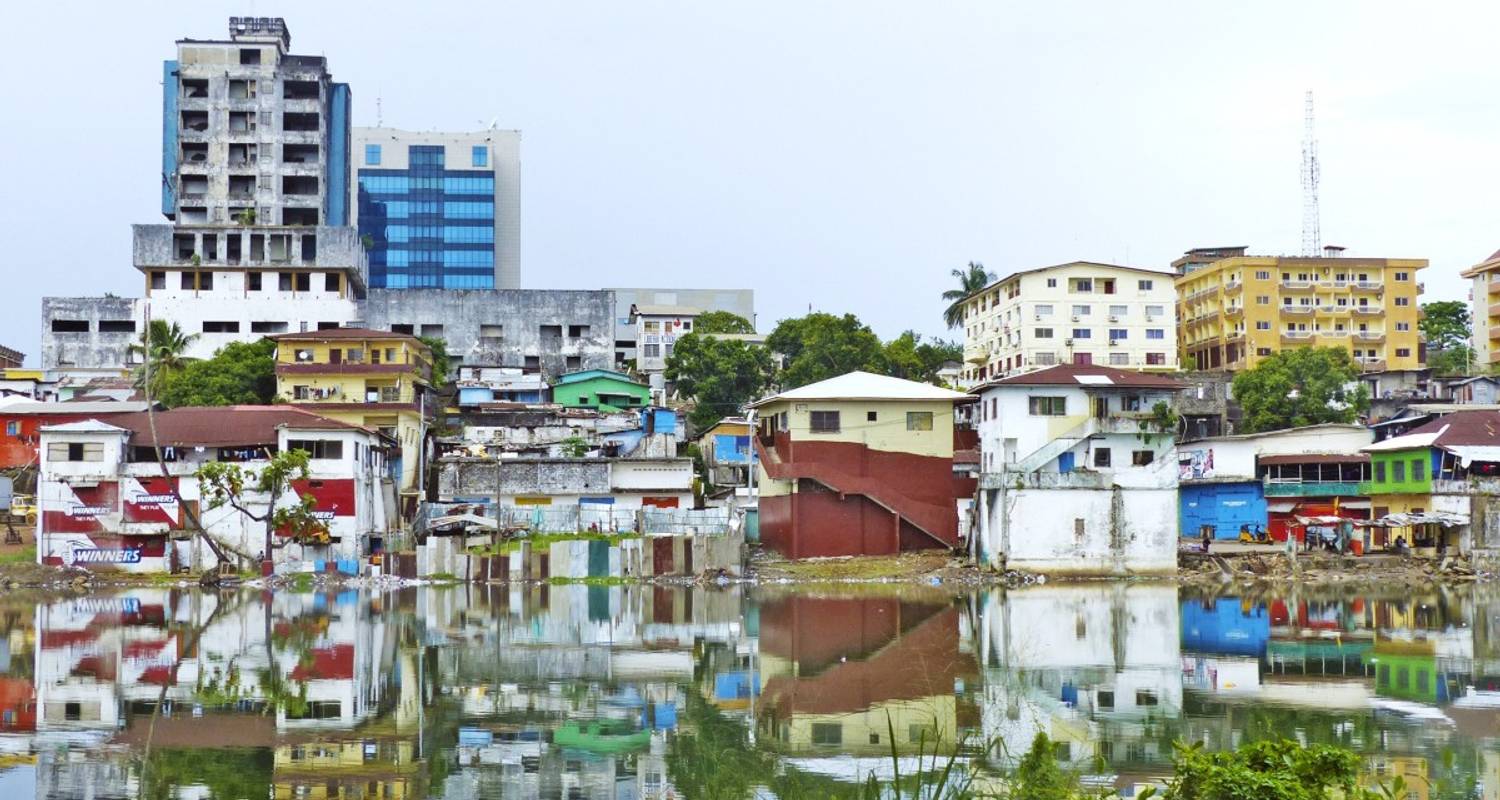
[
  {"x": 1333, "y": 309},
  {"x": 1076, "y": 479},
  {"x": 1368, "y": 286},
  {"x": 1234, "y": 311},
  {"x": 1341, "y": 335},
  {"x": 1371, "y": 364},
  {"x": 1297, "y": 310},
  {"x": 1494, "y": 310},
  {"x": 1297, "y": 286},
  {"x": 1233, "y": 286},
  {"x": 1274, "y": 488},
  {"x": 1369, "y": 337},
  {"x": 1297, "y": 337},
  {"x": 1368, "y": 311}
]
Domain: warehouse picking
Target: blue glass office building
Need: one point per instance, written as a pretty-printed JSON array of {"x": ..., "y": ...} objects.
[{"x": 428, "y": 212}]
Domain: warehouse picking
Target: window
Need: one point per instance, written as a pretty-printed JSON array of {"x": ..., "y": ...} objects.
[
  {"x": 1105, "y": 699},
  {"x": 870, "y": 416},
  {"x": 1156, "y": 333},
  {"x": 1083, "y": 285},
  {"x": 1051, "y": 283},
  {"x": 419, "y": 155},
  {"x": 1262, "y": 325},
  {"x": 651, "y": 351},
  {"x": 253, "y": 280},
  {"x": 1044, "y": 309},
  {"x": 1080, "y": 333},
  {"x": 1418, "y": 470},
  {"x": 75, "y": 451},
  {"x": 1082, "y": 311},
  {"x": 1155, "y": 311},
  {"x": 1380, "y": 472},
  {"x": 317, "y": 448},
  {"x": 1262, "y": 299},
  {"x": 1398, "y": 472},
  {"x": 1101, "y": 456},
  {"x": 1403, "y": 326},
  {"x": 1119, "y": 359},
  {"x": 1262, "y": 275},
  {"x": 221, "y": 326},
  {"x": 827, "y": 733},
  {"x": 372, "y": 155},
  {"x": 1156, "y": 359},
  {"x": 480, "y": 156},
  {"x": 1403, "y": 352},
  {"x": 1262, "y": 351},
  {"x": 13, "y": 428},
  {"x": 1119, "y": 311},
  {"x": 1403, "y": 276},
  {"x": 1116, "y": 334},
  {"x": 1043, "y": 333},
  {"x": 1144, "y": 286},
  {"x": 1403, "y": 301},
  {"x": 825, "y": 422},
  {"x": 1048, "y": 406},
  {"x": 919, "y": 420},
  {"x": 1145, "y": 697},
  {"x": 1141, "y": 458}
]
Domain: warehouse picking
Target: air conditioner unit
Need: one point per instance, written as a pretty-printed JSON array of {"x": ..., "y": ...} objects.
[
  {"x": 1113, "y": 318},
  {"x": 1150, "y": 318},
  {"x": 1067, "y": 343},
  {"x": 1038, "y": 317},
  {"x": 1075, "y": 317}
]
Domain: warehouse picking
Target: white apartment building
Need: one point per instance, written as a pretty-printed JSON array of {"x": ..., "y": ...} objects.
[
  {"x": 1078, "y": 472},
  {"x": 1077, "y": 313}
]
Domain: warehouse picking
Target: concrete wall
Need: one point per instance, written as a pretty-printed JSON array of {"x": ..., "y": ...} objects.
[
  {"x": 93, "y": 350},
  {"x": 735, "y": 301},
  {"x": 456, "y": 316},
  {"x": 1078, "y": 531}
]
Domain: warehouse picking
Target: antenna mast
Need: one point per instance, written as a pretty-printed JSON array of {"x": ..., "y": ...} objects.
[{"x": 1312, "y": 235}]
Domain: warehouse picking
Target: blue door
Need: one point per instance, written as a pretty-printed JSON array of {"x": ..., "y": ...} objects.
[{"x": 1065, "y": 462}]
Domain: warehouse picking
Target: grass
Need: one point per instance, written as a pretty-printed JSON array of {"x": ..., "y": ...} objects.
[
  {"x": 22, "y": 556},
  {"x": 548, "y": 539},
  {"x": 593, "y": 580}
]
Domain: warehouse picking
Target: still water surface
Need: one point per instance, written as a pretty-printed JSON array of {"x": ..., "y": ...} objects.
[{"x": 641, "y": 692}]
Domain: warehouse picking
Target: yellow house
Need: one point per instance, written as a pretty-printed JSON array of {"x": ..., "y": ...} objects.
[
  {"x": 1236, "y": 309},
  {"x": 377, "y": 379}
]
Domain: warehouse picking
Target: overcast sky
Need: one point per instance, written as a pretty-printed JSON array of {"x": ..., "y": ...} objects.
[{"x": 843, "y": 155}]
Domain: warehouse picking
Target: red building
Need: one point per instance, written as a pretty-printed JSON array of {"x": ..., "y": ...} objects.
[
  {"x": 21, "y": 419},
  {"x": 860, "y": 464}
]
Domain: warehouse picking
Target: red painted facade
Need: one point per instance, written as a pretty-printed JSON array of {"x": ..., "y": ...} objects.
[
  {"x": 854, "y": 500},
  {"x": 20, "y": 436}
]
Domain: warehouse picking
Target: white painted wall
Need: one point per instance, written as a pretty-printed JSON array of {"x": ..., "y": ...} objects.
[{"x": 1039, "y": 530}]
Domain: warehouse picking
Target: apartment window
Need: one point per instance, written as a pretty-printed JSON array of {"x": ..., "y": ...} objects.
[
  {"x": 1155, "y": 311},
  {"x": 317, "y": 448},
  {"x": 332, "y": 281},
  {"x": 1398, "y": 472},
  {"x": 825, "y": 422},
  {"x": 1262, "y": 351},
  {"x": 1043, "y": 333},
  {"x": 75, "y": 451},
  {"x": 1403, "y": 301},
  {"x": 651, "y": 351},
  {"x": 1156, "y": 359},
  {"x": 919, "y": 420},
  {"x": 1262, "y": 325},
  {"x": 1118, "y": 311},
  {"x": 301, "y": 393},
  {"x": 1083, "y": 285},
  {"x": 1403, "y": 276},
  {"x": 871, "y": 416},
  {"x": 827, "y": 733},
  {"x": 1082, "y": 311},
  {"x": 480, "y": 156},
  {"x": 221, "y": 326},
  {"x": 1048, "y": 406},
  {"x": 1116, "y": 334},
  {"x": 1105, "y": 700},
  {"x": 1119, "y": 359},
  {"x": 1101, "y": 456},
  {"x": 1145, "y": 286},
  {"x": 1044, "y": 359},
  {"x": 1080, "y": 333},
  {"x": 1403, "y": 352},
  {"x": 303, "y": 356},
  {"x": 1141, "y": 458},
  {"x": 13, "y": 428},
  {"x": 652, "y": 326},
  {"x": 1380, "y": 472},
  {"x": 1145, "y": 697},
  {"x": 1418, "y": 470},
  {"x": 1403, "y": 326},
  {"x": 1044, "y": 310},
  {"x": 1262, "y": 299},
  {"x": 372, "y": 155},
  {"x": 1051, "y": 283},
  {"x": 1156, "y": 333},
  {"x": 1263, "y": 275},
  {"x": 253, "y": 281}
]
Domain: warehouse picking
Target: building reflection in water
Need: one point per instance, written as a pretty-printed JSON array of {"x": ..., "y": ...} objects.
[{"x": 626, "y": 692}]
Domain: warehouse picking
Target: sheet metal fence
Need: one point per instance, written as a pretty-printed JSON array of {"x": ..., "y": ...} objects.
[{"x": 589, "y": 517}]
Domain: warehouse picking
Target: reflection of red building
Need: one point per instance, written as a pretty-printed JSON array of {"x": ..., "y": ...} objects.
[{"x": 17, "y": 705}]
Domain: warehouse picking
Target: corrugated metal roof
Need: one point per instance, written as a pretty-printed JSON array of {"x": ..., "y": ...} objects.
[
  {"x": 1085, "y": 375},
  {"x": 227, "y": 426},
  {"x": 866, "y": 386}
]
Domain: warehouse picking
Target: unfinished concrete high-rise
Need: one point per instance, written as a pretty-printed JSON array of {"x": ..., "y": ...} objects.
[{"x": 253, "y": 133}]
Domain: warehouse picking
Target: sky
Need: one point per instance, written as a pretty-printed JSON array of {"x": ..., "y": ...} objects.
[{"x": 840, "y": 156}]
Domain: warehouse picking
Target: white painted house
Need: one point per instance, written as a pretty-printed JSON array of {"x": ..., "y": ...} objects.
[{"x": 1078, "y": 471}]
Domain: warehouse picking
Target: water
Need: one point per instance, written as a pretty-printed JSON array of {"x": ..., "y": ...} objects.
[{"x": 642, "y": 692}]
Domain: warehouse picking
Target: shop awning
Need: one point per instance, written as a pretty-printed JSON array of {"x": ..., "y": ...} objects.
[
  {"x": 1284, "y": 507},
  {"x": 1442, "y": 518}
]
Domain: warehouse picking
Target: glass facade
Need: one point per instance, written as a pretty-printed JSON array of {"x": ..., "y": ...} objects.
[{"x": 430, "y": 227}]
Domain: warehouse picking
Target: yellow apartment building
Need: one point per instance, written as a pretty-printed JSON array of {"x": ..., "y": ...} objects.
[
  {"x": 1485, "y": 301},
  {"x": 1235, "y": 309},
  {"x": 377, "y": 379}
]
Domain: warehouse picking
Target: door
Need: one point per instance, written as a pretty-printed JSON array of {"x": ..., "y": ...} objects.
[
  {"x": 1101, "y": 407},
  {"x": 1083, "y": 358},
  {"x": 335, "y": 356},
  {"x": 1065, "y": 462}
]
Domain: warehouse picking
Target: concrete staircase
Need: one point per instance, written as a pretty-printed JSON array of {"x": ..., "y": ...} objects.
[{"x": 1045, "y": 454}]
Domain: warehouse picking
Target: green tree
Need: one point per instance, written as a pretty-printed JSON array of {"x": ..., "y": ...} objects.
[
  {"x": 244, "y": 489},
  {"x": 163, "y": 346},
  {"x": 1453, "y": 361},
  {"x": 1300, "y": 386},
  {"x": 722, "y": 322},
  {"x": 721, "y": 375},
  {"x": 1446, "y": 324},
  {"x": 1038, "y": 777},
  {"x": 441, "y": 363},
  {"x": 907, "y": 356},
  {"x": 1266, "y": 770},
  {"x": 240, "y": 373},
  {"x": 970, "y": 280},
  {"x": 821, "y": 346}
]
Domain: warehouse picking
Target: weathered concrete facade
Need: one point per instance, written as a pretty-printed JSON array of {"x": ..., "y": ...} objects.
[
  {"x": 553, "y": 331},
  {"x": 735, "y": 301}
]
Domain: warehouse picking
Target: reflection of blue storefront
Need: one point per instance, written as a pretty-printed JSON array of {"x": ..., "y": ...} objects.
[
  {"x": 1224, "y": 627},
  {"x": 1225, "y": 506}
]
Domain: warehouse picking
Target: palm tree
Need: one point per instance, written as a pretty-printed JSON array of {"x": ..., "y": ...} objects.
[
  {"x": 970, "y": 280},
  {"x": 164, "y": 346}
]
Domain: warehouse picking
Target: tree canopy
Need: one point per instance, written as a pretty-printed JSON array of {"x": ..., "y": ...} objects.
[
  {"x": 722, "y": 322},
  {"x": 441, "y": 363},
  {"x": 163, "y": 347},
  {"x": 970, "y": 280},
  {"x": 821, "y": 346},
  {"x": 907, "y": 356},
  {"x": 240, "y": 373},
  {"x": 1447, "y": 326},
  {"x": 720, "y": 374},
  {"x": 1300, "y": 386}
]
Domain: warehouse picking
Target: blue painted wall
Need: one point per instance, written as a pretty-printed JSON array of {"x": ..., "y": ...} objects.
[
  {"x": 731, "y": 449},
  {"x": 1226, "y": 506},
  {"x": 339, "y": 135},
  {"x": 1225, "y": 627},
  {"x": 169, "y": 138}
]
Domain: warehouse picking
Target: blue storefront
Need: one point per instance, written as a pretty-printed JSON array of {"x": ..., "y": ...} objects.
[{"x": 1226, "y": 507}]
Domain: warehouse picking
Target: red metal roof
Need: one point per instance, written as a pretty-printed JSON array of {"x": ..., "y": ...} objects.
[
  {"x": 1087, "y": 376},
  {"x": 1315, "y": 458},
  {"x": 1463, "y": 428},
  {"x": 225, "y": 426}
]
